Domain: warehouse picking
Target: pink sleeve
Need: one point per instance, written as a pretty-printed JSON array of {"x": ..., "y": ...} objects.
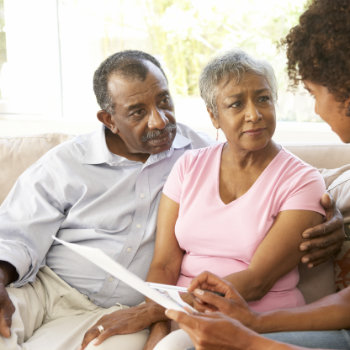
[
  {"x": 173, "y": 185},
  {"x": 305, "y": 191}
]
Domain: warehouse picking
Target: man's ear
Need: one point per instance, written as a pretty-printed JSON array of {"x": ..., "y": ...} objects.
[
  {"x": 213, "y": 118},
  {"x": 106, "y": 118}
]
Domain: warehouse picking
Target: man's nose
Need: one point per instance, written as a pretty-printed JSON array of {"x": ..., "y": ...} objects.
[{"x": 157, "y": 119}]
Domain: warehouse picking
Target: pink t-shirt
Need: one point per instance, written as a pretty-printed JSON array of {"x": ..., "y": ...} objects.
[{"x": 222, "y": 238}]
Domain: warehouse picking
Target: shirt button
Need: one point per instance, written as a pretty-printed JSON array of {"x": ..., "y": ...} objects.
[
  {"x": 138, "y": 226},
  {"x": 142, "y": 195},
  {"x": 111, "y": 279},
  {"x": 128, "y": 250}
]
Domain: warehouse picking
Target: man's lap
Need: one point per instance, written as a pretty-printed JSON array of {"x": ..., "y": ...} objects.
[{"x": 49, "y": 312}]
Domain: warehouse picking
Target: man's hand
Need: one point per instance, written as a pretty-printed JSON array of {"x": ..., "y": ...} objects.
[
  {"x": 230, "y": 304},
  {"x": 6, "y": 311},
  {"x": 8, "y": 274},
  {"x": 124, "y": 321},
  {"x": 324, "y": 240}
]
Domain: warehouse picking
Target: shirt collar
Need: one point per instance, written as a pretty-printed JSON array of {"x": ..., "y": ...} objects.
[{"x": 96, "y": 150}]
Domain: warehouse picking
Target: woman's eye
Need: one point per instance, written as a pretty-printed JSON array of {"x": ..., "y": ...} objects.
[
  {"x": 236, "y": 104},
  {"x": 264, "y": 98}
]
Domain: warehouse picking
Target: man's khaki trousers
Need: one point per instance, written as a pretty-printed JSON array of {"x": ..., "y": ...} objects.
[{"x": 50, "y": 315}]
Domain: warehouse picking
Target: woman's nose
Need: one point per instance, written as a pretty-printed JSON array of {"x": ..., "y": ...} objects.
[{"x": 253, "y": 114}]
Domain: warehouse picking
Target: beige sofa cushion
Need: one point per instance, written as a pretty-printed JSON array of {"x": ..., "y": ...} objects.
[
  {"x": 323, "y": 156},
  {"x": 18, "y": 153}
]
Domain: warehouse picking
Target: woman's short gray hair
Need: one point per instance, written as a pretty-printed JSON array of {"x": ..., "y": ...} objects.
[{"x": 234, "y": 65}]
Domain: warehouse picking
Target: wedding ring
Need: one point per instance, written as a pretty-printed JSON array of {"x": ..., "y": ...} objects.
[{"x": 100, "y": 328}]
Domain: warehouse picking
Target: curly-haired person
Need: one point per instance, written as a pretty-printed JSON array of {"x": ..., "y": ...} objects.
[{"x": 318, "y": 51}]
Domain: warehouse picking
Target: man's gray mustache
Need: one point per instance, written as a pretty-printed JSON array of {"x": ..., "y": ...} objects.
[{"x": 154, "y": 134}]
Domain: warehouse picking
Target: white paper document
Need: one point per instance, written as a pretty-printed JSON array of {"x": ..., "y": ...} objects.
[{"x": 165, "y": 295}]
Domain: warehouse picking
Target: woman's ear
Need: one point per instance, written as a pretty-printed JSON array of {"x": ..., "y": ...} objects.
[
  {"x": 213, "y": 118},
  {"x": 106, "y": 119}
]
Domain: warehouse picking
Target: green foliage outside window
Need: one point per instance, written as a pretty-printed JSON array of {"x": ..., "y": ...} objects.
[{"x": 185, "y": 33}]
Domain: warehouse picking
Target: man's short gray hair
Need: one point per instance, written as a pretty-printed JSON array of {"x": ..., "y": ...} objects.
[
  {"x": 234, "y": 65},
  {"x": 129, "y": 64}
]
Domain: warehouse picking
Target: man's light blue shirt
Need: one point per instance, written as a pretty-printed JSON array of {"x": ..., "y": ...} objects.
[{"x": 83, "y": 193}]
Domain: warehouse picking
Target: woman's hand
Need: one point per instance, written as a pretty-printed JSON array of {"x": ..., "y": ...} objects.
[
  {"x": 205, "y": 288},
  {"x": 217, "y": 331},
  {"x": 324, "y": 241},
  {"x": 157, "y": 332},
  {"x": 208, "y": 281},
  {"x": 188, "y": 298}
]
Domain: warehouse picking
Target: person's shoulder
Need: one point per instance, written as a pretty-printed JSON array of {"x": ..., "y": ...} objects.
[
  {"x": 73, "y": 148},
  {"x": 197, "y": 139},
  {"x": 289, "y": 156},
  {"x": 296, "y": 164},
  {"x": 200, "y": 155}
]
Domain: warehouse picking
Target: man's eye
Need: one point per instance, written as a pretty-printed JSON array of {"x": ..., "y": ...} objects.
[
  {"x": 138, "y": 113},
  {"x": 165, "y": 101}
]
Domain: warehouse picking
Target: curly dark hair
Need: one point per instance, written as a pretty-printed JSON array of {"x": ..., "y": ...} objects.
[{"x": 318, "y": 48}]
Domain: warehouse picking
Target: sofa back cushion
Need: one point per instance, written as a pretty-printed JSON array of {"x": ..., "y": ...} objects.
[
  {"x": 322, "y": 156},
  {"x": 18, "y": 153}
]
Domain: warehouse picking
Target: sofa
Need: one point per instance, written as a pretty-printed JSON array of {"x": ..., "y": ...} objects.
[{"x": 333, "y": 161}]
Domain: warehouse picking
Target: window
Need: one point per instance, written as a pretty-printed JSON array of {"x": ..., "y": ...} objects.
[{"x": 49, "y": 50}]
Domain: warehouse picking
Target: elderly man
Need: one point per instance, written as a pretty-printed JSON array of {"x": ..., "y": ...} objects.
[{"x": 99, "y": 190}]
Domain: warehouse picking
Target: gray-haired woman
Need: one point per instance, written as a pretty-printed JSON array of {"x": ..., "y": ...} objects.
[
  {"x": 227, "y": 207},
  {"x": 318, "y": 51}
]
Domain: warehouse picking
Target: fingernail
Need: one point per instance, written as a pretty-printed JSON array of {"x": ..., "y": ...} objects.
[
  {"x": 304, "y": 247},
  {"x": 166, "y": 312},
  {"x": 305, "y": 260},
  {"x": 310, "y": 265},
  {"x": 198, "y": 291}
]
